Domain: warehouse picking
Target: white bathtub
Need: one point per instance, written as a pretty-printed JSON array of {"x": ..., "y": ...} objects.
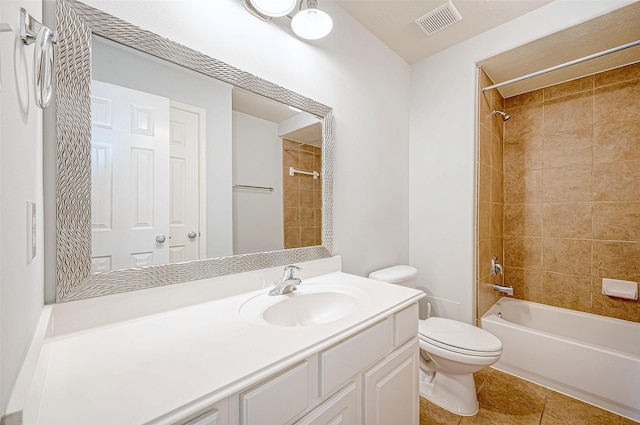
[{"x": 592, "y": 358}]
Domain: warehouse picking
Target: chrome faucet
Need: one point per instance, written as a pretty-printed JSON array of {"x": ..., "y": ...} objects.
[
  {"x": 287, "y": 283},
  {"x": 504, "y": 289},
  {"x": 496, "y": 268}
]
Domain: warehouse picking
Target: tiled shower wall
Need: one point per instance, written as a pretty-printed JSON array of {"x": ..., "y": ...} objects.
[
  {"x": 302, "y": 196},
  {"x": 489, "y": 225},
  {"x": 572, "y": 192}
]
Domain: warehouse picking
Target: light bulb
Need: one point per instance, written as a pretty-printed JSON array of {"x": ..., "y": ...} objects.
[
  {"x": 274, "y": 8},
  {"x": 311, "y": 24}
]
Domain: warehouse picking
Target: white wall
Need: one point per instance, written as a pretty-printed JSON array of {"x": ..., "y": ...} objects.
[
  {"x": 442, "y": 150},
  {"x": 351, "y": 71},
  {"x": 257, "y": 161},
  {"x": 21, "y": 284}
]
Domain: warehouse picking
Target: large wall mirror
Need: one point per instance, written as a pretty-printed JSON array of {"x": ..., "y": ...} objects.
[{"x": 174, "y": 166}]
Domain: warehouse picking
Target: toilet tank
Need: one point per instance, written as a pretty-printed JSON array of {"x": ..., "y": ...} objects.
[{"x": 399, "y": 275}]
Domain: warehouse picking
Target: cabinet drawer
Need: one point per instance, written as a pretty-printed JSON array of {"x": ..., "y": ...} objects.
[
  {"x": 405, "y": 325},
  {"x": 341, "y": 362},
  {"x": 278, "y": 400}
]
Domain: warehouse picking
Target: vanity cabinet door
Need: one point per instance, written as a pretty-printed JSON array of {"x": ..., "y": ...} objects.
[
  {"x": 391, "y": 388},
  {"x": 341, "y": 409}
]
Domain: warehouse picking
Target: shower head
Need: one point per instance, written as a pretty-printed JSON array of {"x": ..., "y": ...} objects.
[{"x": 505, "y": 116}]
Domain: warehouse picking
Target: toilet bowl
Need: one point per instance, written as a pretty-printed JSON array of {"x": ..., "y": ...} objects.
[{"x": 451, "y": 352}]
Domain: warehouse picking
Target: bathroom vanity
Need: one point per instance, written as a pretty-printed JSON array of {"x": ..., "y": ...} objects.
[{"x": 340, "y": 349}]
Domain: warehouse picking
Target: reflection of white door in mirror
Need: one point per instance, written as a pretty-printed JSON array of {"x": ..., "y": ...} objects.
[
  {"x": 188, "y": 235},
  {"x": 130, "y": 151}
]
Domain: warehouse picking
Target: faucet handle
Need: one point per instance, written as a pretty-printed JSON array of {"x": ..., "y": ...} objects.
[{"x": 287, "y": 274}]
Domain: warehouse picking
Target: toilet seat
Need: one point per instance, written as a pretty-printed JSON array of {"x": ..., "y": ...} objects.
[{"x": 459, "y": 337}]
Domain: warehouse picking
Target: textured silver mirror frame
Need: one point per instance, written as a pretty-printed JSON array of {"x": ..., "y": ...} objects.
[{"x": 76, "y": 22}]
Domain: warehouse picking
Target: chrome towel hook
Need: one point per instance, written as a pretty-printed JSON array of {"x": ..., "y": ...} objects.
[{"x": 32, "y": 31}]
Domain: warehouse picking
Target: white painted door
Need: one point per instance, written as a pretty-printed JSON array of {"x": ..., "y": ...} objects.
[
  {"x": 130, "y": 178},
  {"x": 187, "y": 237},
  {"x": 391, "y": 389}
]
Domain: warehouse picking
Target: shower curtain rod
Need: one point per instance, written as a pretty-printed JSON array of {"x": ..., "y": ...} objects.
[{"x": 564, "y": 65}]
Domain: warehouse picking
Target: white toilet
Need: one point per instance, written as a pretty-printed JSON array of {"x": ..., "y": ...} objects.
[{"x": 450, "y": 351}]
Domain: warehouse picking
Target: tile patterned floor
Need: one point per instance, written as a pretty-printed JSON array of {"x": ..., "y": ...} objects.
[{"x": 507, "y": 400}]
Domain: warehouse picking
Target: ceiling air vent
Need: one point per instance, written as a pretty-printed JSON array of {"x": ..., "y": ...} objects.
[{"x": 439, "y": 18}]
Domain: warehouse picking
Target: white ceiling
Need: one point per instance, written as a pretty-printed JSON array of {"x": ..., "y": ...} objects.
[{"x": 392, "y": 21}]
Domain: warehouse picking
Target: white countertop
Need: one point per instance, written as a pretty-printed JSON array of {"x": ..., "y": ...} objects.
[{"x": 137, "y": 370}]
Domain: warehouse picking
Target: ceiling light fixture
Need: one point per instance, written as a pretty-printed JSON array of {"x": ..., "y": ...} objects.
[
  {"x": 312, "y": 23},
  {"x": 273, "y": 8}
]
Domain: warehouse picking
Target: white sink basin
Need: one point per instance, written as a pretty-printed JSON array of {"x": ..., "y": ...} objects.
[{"x": 310, "y": 305}]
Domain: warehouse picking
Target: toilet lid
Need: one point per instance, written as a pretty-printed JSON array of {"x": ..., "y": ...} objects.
[{"x": 458, "y": 335}]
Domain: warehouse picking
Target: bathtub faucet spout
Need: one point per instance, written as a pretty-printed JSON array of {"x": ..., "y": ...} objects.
[{"x": 504, "y": 289}]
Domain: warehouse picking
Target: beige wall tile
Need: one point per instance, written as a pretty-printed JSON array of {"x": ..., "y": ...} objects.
[
  {"x": 484, "y": 220},
  {"x": 496, "y": 152},
  {"x": 290, "y": 158},
  {"x": 317, "y": 217},
  {"x": 307, "y": 236},
  {"x": 567, "y": 291},
  {"x": 306, "y": 159},
  {"x": 522, "y": 252},
  {"x": 618, "y": 75},
  {"x": 525, "y": 123},
  {"x": 523, "y": 154},
  {"x": 291, "y": 237},
  {"x": 306, "y": 182},
  {"x": 616, "y": 221},
  {"x": 571, "y": 164},
  {"x": 484, "y": 257},
  {"x": 616, "y": 181},
  {"x": 484, "y": 99},
  {"x": 561, "y": 150},
  {"x": 527, "y": 283},
  {"x": 617, "y": 103},
  {"x": 484, "y": 141},
  {"x": 291, "y": 197},
  {"x": 571, "y": 183},
  {"x": 484, "y": 185},
  {"x": 525, "y": 99},
  {"x": 291, "y": 217},
  {"x": 307, "y": 198},
  {"x": 306, "y": 217},
  {"x": 570, "y": 87},
  {"x": 571, "y": 256},
  {"x": 569, "y": 114},
  {"x": 616, "y": 260},
  {"x": 496, "y": 220},
  {"x": 523, "y": 219},
  {"x": 613, "y": 142},
  {"x": 497, "y": 122},
  {"x": 572, "y": 220},
  {"x": 523, "y": 186},
  {"x": 497, "y": 186}
]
